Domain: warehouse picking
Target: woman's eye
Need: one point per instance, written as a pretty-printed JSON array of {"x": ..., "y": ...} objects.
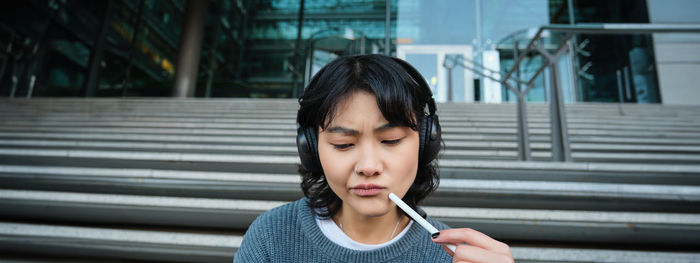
[
  {"x": 342, "y": 146},
  {"x": 391, "y": 141}
]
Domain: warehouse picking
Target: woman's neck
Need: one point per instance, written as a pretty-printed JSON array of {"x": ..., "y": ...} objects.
[{"x": 370, "y": 230}]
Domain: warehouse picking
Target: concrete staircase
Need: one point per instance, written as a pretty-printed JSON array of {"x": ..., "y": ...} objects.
[{"x": 180, "y": 180}]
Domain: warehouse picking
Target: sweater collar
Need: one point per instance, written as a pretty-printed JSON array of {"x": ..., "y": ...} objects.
[{"x": 313, "y": 234}]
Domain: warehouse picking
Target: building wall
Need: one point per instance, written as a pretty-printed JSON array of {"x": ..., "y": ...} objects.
[
  {"x": 679, "y": 72},
  {"x": 677, "y": 55}
]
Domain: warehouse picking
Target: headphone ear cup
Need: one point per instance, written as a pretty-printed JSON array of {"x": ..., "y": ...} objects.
[
  {"x": 307, "y": 148},
  {"x": 424, "y": 129},
  {"x": 430, "y": 135}
]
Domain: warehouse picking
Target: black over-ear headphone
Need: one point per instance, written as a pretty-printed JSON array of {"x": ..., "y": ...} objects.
[{"x": 430, "y": 134}]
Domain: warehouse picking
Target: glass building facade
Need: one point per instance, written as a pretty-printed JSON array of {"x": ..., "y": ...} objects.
[
  {"x": 611, "y": 68},
  {"x": 249, "y": 48},
  {"x": 271, "y": 48}
]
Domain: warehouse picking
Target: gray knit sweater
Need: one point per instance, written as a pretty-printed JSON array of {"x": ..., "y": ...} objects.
[{"x": 289, "y": 233}]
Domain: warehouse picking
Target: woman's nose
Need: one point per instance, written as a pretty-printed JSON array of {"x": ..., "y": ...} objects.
[{"x": 369, "y": 162}]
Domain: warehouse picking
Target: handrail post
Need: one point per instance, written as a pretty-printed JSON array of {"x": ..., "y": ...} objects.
[
  {"x": 523, "y": 135},
  {"x": 560, "y": 140}
]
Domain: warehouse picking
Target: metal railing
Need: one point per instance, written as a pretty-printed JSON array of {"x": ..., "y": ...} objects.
[{"x": 561, "y": 150}]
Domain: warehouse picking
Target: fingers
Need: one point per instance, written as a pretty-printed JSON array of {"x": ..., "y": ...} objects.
[
  {"x": 473, "y": 238},
  {"x": 478, "y": 255},
  {"x": 449, "y": 252},
  {"x": 474, "y": 246}
]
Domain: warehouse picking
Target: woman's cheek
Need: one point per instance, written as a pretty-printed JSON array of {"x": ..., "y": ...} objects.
[
  {"x": 409, "y": 162},
  {"x": 333, "y": 169}
]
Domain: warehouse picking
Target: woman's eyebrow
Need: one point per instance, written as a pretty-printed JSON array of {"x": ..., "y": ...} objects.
[
  {"x": 342, "y": 130},
  {"x": 384, "y": 127},
  {"x": 351, "y": 132}
]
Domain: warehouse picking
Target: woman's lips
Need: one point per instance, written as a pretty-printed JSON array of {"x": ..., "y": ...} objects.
[{"x": 367, "y": 189}]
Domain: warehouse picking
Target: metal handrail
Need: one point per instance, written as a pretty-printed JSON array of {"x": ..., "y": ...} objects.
[{"x": 560, "y": 143}]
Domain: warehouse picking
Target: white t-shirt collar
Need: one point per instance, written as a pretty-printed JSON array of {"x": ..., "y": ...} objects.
[{"x": 335, "y": 234}]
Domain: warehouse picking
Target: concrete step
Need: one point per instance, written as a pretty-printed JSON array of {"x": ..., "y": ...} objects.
[
  {"x": 658, "y": 174},
  {"x": 177, "y": 134},
  {"x": 491, "y": 134},
  {"x": 262, "y": 116},
  {"x": 457, "y": 148},
  {"x": 206, "y": 111},
  {"x": 128, "y": 244},
  {"x": 646, "y": 111},
  {"x": 287, "y": 163},
  {"x": 538, "y": 192},
  {"x": 532, "y": 224},
  {"x": 232, "y": 129},
  {"x": 222, "y": 153},
  {"x": 91, "y": 208},
  {"x": 117, "y": 243},
  {"x": 155, "y": 137},
  {"x": 122, "y": 120}
]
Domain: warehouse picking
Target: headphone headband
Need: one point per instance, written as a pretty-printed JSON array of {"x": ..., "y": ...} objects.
[{"x": 431, "y": 106}]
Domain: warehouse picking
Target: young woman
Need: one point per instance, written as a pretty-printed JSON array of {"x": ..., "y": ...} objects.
[{"x": 366, "y": 127}]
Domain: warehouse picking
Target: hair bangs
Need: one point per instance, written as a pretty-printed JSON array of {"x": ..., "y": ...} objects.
[{"x": 393, "y": 88}]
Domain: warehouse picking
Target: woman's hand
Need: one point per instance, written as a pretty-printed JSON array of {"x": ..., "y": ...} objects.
[{"x": 474, "y": 246}]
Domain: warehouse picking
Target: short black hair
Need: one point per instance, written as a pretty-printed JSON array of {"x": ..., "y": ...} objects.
[{"x": 401, "y": 98}]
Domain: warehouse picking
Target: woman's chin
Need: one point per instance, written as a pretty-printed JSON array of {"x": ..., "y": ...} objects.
[
  {"x": 370, "y": 208},
  {"x": 373, "y": 213}
]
